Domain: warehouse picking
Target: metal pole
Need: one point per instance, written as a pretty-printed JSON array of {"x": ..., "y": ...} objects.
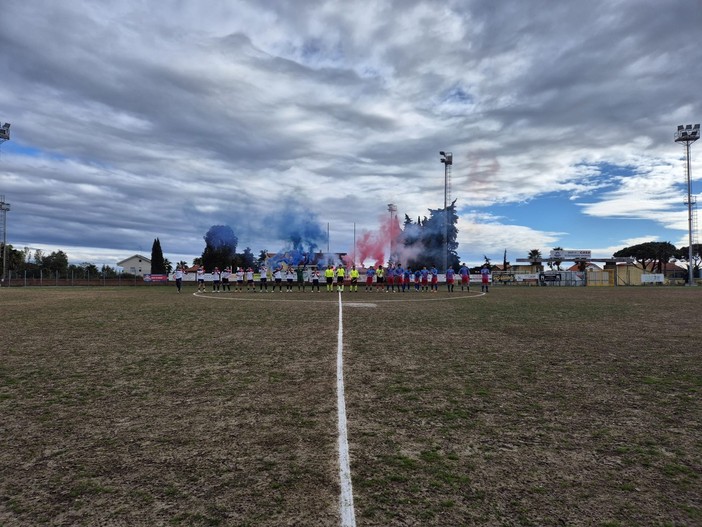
[
  {"x": 447, "y": 160},
  {"x": 4, "y": 208},
  {"x": 690, "y": 271},
  {"x": 688, "y": 134},
  {"x": 445, "y": 217},
  {"x": 392, "y": 208}
]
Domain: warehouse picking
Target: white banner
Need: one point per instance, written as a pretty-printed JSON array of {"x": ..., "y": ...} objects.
[
  {"x": 570, "y": 255},
  {"x": 526, "y": 276}
]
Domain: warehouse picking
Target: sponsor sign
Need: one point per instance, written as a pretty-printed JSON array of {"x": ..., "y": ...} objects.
[
  {"x": 155, "y": 278},
  {"x": 570, "y": 255},
  {"x": 526, "y": 276}
]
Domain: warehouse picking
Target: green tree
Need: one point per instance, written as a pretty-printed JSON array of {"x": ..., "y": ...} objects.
[
  {"x": 90, "y": 270},
  {"x": 245, "y": 259},
  {"x": 683, "y": 254},
  {"x": 262, "y": 257},
  {"x": 651, "y": 256},
  {"x": 56, "y": 262},
  {"x": 557, "y": 263},
  {"x": 108, "y": 272},
  {"x": 14, "y": 259},
  {"x": 158, "y": 263},
  {"x": 410, "y": 232},
  {"x": 534, "y": 257},
  {"x": 220, "y": 247},
  {"x": 75, "y": 271},
  {"x": 431, "y": 234}
]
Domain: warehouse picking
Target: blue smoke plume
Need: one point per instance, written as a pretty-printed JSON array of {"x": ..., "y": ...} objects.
[
  {"x": 301, "y": 230},
  {"x": 221, "y": 237}
]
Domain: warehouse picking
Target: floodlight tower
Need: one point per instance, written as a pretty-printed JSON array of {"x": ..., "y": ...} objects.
[
  {"x": 447, "y": 160},
  {"x": 688, "y": 134},
  {"x": 5, "y": 133},
  {"x": 4, "y": 207},
  {"x": 392, "y": 208}
]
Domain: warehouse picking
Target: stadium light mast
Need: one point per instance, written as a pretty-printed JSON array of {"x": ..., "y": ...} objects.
[
  {"x": 688, "y": 134},
  {"x": 447, "y": 160},
  {"x": 392, "y": 208},
  {"x": 5, "y": 133},
  {"x": 4, "y": 207}
]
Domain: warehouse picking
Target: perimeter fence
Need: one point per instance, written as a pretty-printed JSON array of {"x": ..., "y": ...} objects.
[{"x": 44, "y": 279}]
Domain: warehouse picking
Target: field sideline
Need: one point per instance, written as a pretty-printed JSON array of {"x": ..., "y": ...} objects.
[{"x": 527, "y": 406}]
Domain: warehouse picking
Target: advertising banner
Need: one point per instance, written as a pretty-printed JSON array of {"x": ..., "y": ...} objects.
[
  {"x": 570, "y": 255},
  {"x": 155, "y": 278}
]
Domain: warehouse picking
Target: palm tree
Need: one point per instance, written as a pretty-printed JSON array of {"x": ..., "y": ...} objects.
[
  {"x": 535, "y": 257},
  {"x": 557, "y": 263}
]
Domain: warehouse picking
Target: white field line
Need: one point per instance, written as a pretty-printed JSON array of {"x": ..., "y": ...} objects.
[{"x": 348, "y": 517}]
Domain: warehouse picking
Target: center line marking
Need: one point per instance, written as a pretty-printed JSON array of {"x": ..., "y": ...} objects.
[{"x": 348, "y": 517}]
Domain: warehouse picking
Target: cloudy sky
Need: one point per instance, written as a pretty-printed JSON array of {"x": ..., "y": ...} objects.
[{"x": 134, "y": 120}]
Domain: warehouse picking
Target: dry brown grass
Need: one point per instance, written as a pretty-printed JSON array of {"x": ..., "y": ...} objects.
[{"x": 531, "y": 406}]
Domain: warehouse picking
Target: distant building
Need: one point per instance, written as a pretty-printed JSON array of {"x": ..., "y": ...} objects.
[
  {"x": 137, "y": 265},
  {"x": 525, "y": 268},
  {"x": 626, "y": 273},
  {"x": 589, "y": 266}
]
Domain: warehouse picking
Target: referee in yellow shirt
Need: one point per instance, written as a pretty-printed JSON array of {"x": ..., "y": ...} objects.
[
  {"x": 340, "y": 276},
  {"x": 329, "y": 275},
  {"x": 354, "y": 274}
]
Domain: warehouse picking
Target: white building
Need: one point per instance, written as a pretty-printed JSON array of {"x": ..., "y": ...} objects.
[{"x": 137, "y": 265}]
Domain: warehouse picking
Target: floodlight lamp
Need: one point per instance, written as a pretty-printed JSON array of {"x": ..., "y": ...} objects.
[{"x": 447, "y": 158}]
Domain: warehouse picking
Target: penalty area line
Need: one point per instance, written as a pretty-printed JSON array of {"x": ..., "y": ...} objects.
[{"x": 348, "y": 517}]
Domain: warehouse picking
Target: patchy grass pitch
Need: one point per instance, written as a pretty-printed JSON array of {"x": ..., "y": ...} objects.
[{"x": 529, "y": 406}]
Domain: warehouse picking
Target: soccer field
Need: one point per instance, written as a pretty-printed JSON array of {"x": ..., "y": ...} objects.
[{"x": 525, "y": 406}]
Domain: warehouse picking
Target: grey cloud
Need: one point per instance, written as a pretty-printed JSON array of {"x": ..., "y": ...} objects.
[{"x": 178, "y": 118}]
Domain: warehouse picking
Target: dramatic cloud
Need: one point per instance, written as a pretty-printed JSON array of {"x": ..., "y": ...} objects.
[{"x": 136, "y": 120}]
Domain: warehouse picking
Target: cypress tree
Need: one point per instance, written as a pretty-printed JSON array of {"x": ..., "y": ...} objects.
[{"x": 158, "y": 264}]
